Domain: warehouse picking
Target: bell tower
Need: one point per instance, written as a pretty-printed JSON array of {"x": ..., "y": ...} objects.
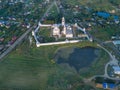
[{"x": 63, "y": 21}]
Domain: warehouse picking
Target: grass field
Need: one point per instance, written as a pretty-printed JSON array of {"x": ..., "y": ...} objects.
[
  {"x": 31, "y": 68},
  {"x": 104, "y": 5},
  {"x": 45, "y": 32},
  {"x": 105, "y": 33}
]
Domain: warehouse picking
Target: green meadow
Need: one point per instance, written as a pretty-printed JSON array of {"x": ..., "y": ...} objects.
[{"x": 31, "y": 68}]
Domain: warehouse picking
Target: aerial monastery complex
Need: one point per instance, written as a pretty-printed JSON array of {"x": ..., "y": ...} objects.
[{"x": 69, "y": 33}]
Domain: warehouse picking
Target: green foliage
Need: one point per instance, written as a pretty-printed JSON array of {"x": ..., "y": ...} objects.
[
  {"x": 45, "y": 31},
  {"x": 98, "y": 5},
  {"x": 31, "y": 68},
  {"x": 105, "y": 33}
]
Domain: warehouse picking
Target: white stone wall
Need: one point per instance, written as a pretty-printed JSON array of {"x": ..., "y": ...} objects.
[{"x": 56, "y": 43}]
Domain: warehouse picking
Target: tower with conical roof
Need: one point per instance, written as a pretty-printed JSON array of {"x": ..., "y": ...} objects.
[{"x": 63, "y": 21}]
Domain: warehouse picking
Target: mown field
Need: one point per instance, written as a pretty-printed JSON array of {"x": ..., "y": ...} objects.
[{"x": 32, "y": 68}]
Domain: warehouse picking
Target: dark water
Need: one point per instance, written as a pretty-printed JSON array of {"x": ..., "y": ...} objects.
[
  {"x": 79, "y": 58},
  {"x": 103, "y": 80}
]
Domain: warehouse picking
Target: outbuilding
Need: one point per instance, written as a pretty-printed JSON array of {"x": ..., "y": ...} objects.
[{"x": 116, "y": 69}]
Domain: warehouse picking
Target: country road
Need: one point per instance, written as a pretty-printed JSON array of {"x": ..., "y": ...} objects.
[
  {"x": 112, "y": 61},
  {"x": 47, "y": 11}
]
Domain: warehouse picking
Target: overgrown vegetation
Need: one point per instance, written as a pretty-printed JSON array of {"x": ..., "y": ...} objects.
[
  {"x": 105, "y": 33},
  {"x": 99, "y": 5}
]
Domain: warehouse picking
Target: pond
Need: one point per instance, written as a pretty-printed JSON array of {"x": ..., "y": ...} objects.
[{"x": 77, "y": 57}]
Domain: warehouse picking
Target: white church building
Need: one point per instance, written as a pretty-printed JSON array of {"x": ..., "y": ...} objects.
[{"x": 66, "y": 30}]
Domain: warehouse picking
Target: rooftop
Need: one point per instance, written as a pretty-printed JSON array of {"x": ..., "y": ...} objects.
[
  {"x": 116, "y": 42},
  {"x": 69, "y": 30},
  {"x": 108, "y": 85},
  {"x": 116, "y": 69}
]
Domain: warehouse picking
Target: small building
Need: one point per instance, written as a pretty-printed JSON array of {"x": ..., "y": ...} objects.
[
  {"x": 116, "y": 42},
  {"x": 103, "y": 14},
  {"x": 116, "y": 69},
  {"x": 106, "y": 85},
  {"x": 109, "y": 85},
  {"x": 116, "y": 19},
  {"x": 116, "y": 37},
  {"x": 56, "y": 31},
  {"x": 112, "y": 11},
  {"x": 69, "y": 32},
  {"x": 47, "y": 1}
]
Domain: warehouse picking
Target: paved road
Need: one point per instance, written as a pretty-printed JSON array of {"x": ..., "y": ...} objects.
[
  {"x": 19, "y": 40},
  {"x": 111, "y": 56},
  {"x": 106, "y": 43}
]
